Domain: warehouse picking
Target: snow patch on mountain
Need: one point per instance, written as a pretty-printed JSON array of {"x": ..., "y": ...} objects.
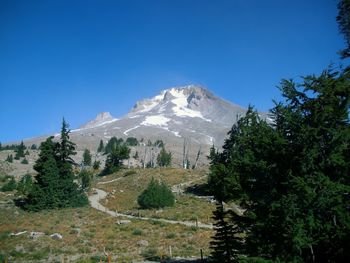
[
  {"x": 149, "y": 104},
  {"x": 129, "y": 130},
  {"x": 155, "y": 120},
  {"x": 181, "y": 105}
]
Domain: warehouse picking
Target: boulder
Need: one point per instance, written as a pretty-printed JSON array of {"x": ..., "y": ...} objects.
[
  {"x": 123, "y": 222},
  {"x": 56, "y": 236},
  {"x": 35, "y": 235}
]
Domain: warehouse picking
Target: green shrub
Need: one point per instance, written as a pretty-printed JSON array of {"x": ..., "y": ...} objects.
[
  {"x": 24, "y": 161},
  {"x": 86, "y": 177},
  {"x": 96, "y": 165},
  {"x": 137, "y": 232},
  {"x": 10, "y": 185},
  {"x": 156, "y": 195}
]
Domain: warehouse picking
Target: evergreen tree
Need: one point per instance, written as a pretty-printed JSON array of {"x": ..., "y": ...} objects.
[
  {"x": 131, "y": 141},
  {"x": 292, "y": 177},
  {"x": 87, "y": 158},
  {"x": 20, "y": 151},
  {"x": 54, "y": 186},
  {"x": 112, "y": 144},
  {"x": 86, "y": 177},
  {"x": 96, "y": 165},
  {"x": 25, "y": 185},
  {"x": 9, "y": 158},
  {"x": 100, "y": 147},
  {"x": 226, "y": 242},
  {"x": 24, "y": 161},
  {"x": 10, "y": 185},
  {"x": 164, "y": 158},
  {"x": 33, "y": 147},
  {"x": 156, "y": 195},
  {"x": 114, "y": 161},
  {"x": 343, "y": 20}
]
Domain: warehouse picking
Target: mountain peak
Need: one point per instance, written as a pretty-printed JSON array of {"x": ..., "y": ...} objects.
[
  {"x": 101, "y": 119},
  {"x": 183, "y": 94}
]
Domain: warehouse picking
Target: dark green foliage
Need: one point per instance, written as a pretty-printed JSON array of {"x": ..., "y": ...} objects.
[
  {"x": 131, "y": 141},
  {"x": 65, "y": 148},
  {"x": 115, "y": 158},
  {"x": 10, "y": 185},
  {"x": 225, "y": 245},
  {"x": 9, "y": 158},
  {"x": 292, "y": 177},
  {"x": 164, "y": 158},
  {"x": 20, "y": 151},
  {"x": 26, "y": 153},
  {"x": 87, "y": 158},
  {"x": 343, "y": 20},
  {"x": 25, "y": 185},
  {"x": 101, "y": 147},
  {"x": 112, "y": 144},
  {"x": 24, "y": 161},
  {"x": 4, "y": 178},
  {"x": 156, "y": 195},
  {"x": 96, "y": 165},
  {"x": 86, "y": 178},
  {"x": 54, "y": 186},
  {"x": 33, "y": 147}
]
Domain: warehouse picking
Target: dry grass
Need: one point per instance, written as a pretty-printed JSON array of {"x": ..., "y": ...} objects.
[{"x": 87, "y": 231}]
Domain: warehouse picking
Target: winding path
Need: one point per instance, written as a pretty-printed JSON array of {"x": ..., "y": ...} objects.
[{"x": 100, "y": 194}]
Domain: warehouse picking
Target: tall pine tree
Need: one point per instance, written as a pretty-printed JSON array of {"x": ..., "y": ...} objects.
[{"x": 54, "y": 186}]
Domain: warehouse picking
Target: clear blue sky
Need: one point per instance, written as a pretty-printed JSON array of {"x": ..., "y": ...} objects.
[{"x": 78, "y": 58}]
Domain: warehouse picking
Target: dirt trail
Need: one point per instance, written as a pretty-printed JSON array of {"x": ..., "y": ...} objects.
[{"x": 100, "y": 194}]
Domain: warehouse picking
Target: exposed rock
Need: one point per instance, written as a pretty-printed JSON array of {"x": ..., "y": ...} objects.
[
  {"x": 123, "y": 222},
  {"x": 56, "y": 236},
  {"x": 35, "y": 235}
]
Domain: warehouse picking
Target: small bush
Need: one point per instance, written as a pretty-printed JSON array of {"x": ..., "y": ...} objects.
[
  {"x": 9, "y": 158},
  {"x": 156, "y": 195},
  {"x": 24, "y": 161},
  {"x": 137, "y": 232},
  {"x": 10, "y": 185},
  {"x": 96, "y": 165}
]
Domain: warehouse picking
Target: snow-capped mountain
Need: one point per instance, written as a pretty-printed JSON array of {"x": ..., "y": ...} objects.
[{"x": 189, "y": 112}]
